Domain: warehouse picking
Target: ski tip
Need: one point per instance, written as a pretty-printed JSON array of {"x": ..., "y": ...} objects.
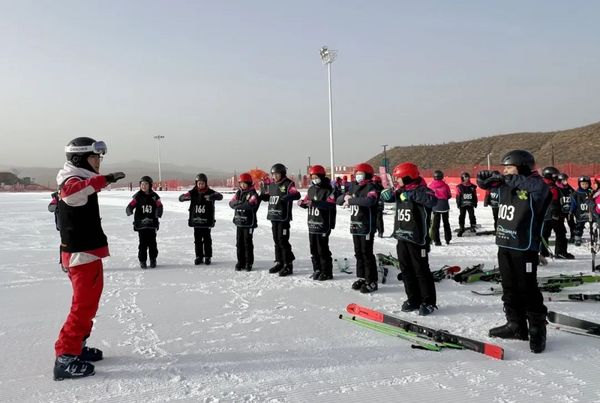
[
  {"x": 351, "y": 308},
  {"x": 341, "y": 316},
  {"x": 493, "y": 351}
]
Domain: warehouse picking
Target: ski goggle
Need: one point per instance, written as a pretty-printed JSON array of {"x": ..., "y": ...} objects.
[{"x": 98, "y": 147}]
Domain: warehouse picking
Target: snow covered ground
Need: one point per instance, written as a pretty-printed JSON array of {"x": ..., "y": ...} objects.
[{"x": 207, "y": 333}]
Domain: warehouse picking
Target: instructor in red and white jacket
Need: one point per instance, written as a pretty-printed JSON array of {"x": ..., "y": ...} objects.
[{"x": 83, "y": 245}]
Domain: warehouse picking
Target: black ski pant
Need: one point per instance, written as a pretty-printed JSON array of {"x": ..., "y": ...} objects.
[
  {"x": 281, "y": 238},
  {"x": 380, "y": 228},
  {"x": 147, "y": 244},
  {"x": 435, "y": 225},
  {"x": 579, "y": 228},
  {"x": 416, "y": 275},
  {"x": 244, "y": 246},
  {"x": 520, "y": 292},
  {"x": 320, "y": 253},
  {"x": 572, "y": 225},
  {"x": 203, "y": 242},
  {"x": 366, "y": 265},
  {"x": 463, "y": 213},
  {"x": 495, "y": 214},
  {"x": 558, "y": 226}
]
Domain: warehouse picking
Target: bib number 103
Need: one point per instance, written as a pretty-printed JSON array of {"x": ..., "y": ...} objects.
[{"x": 506, "y": 212}]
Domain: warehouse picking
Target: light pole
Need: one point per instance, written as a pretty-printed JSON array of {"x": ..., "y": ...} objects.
[
  {"x": 159, "y": 172},
  {"x": 327, "y": 57},
  {"x": 488, "y": 160},
  {"x": 385, "y": 161}
]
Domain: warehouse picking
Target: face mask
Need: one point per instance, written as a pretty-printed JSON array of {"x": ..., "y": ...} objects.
[
  {"x": 360, "y": 178},
  {"x": 316, "y": 181}
]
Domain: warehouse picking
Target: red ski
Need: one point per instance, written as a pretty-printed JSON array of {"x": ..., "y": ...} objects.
[{"x": 441, "y": 336}]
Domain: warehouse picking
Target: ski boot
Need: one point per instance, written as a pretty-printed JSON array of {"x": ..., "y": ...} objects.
[
  {"x": 277, "y": 268},
  {"x": 239, "y": 266},
  {"x": 368, "y": 288},
  {"x": 198, "y": 261},
  {"x": 325, "y": 276},
  {"x": 70, "y": 366},
  {"x": 287, "y": 270},
  {"x": 316, "y": 274},
  {"x": 407, "y": 306},
  {"x": 143, "y": 264},
  {"x": 90, "y": 354},
  {"x": 537, "y": 331},
  {"x": 514, "y": 328},
  {"x": 358, "y": 284},
  {"x": 248, "y": 267},
  {"x": 426, "y": 309},
  {"x": 153, "y": 263},
  {"x": 207, "y": 261}
]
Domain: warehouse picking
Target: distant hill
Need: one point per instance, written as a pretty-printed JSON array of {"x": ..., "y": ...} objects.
[
  {"x": 134, "y": 170},
  {"x": 576, "y": 146}
]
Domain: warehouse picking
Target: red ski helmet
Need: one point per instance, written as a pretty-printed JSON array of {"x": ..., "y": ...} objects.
[
  {"x": 245, "y": 177},
  {"x": 406, "y": 169},
  {"x": 366, "y": 168},
  {"x": 318, "y": 170}
]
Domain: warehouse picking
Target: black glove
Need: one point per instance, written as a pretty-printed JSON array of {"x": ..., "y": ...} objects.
[
  {"x": 484, "y": 175},
  {"x": 113, "y": 177}
]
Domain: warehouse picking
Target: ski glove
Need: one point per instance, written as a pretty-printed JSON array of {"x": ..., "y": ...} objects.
[
  {"x": 113, "y": 177},
  {"x": 484, "y": 175}
]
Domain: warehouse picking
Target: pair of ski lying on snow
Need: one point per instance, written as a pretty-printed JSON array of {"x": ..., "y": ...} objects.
[{"x": 428, "y": 338}]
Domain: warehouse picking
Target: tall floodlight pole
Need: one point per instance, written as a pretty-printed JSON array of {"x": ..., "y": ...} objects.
[
  {"x": 159, "y": 172},
  {"x": 488, "y": 160},
  {"x": 327, "y": 57},
  {"x": 385, "y": 161}
]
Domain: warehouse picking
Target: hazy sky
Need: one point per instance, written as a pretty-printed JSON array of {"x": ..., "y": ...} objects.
[{"x": 238, "y": 84}]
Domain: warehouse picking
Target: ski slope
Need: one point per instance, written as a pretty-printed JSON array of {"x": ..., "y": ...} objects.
[{"x": 207, "y": 333}]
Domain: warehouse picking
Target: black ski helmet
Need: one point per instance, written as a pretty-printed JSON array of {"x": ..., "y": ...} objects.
[
  {"x": 522, "y": 159},
  {"x": 202, "y": 178},
  {"x": 563, "y": 176},
  {"x": 279, "y": 168},
  {"x": 437, "y": 174},
  {"x": 584, "y": 178},
  {"x": 79, "y": 149},
  {"x": 550, "y": 173},
  {"x": 148, "y": 179},
  {"x": 464, "y": 176}
]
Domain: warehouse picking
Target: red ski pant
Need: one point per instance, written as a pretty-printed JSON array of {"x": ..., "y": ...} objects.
[{"x": 87, "y": 281}]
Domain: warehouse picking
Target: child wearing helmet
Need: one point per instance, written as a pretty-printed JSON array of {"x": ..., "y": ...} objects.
[
  {"x": 245, "y": 202},
  {"x": 147, "y": 207},
  {"x": 83, "y": 246},
  {"x": 580, "y": 206},
  {"x": 414, "y": 201},
  {"x": 554, "y": 220},
  {"x": 202, "y": 217},
  {"x": 492, "y": 197},
  {"x": 362, "y": 198},
  {"x": 320, "y": 202},
  {"x": 280, "y": 193},
  {"x": 466, "y": 201},
  {"x": 565, "y": 192},
  {"x": 441, "y": 208},
  {"x": 523, "y": 201}
]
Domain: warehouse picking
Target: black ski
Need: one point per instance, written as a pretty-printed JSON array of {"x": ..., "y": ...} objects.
[{"x": 574, "y": 325}]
